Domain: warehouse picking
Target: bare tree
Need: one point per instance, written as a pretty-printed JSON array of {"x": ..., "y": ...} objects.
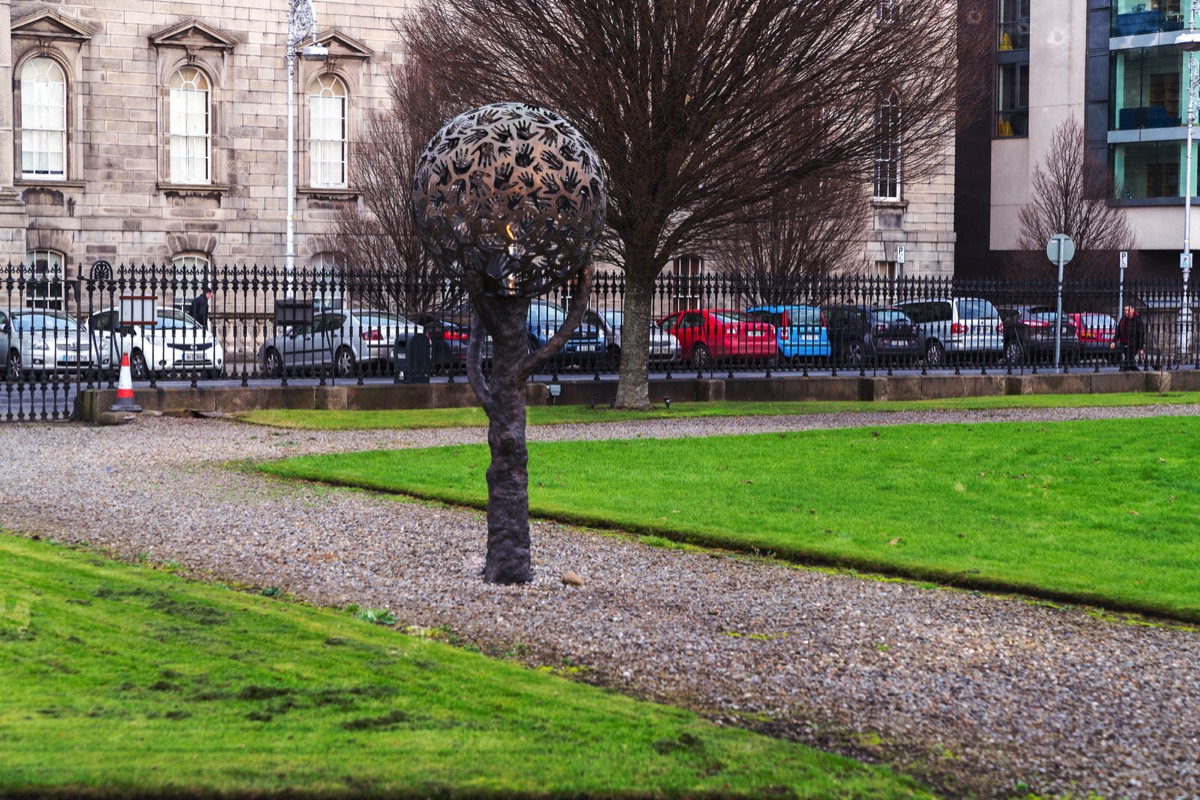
[
  {"x": 382, "y": 259},
  {"x": 1070, "y": 195},
  {"x": 701, "y": 110},
  {"x": 810, "y": 232}
]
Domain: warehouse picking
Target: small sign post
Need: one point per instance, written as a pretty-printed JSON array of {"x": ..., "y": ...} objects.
[{"x": 1059, "y": 250}]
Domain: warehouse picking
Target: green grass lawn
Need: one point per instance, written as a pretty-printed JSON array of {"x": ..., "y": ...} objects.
[
  {"x": 123, "y": 681},
  {"x": 1095, "y": 511},
  {"x": 551, "y": 415}
]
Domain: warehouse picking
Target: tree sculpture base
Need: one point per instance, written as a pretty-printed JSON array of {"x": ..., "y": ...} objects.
[{"x": 508, "y": 547}]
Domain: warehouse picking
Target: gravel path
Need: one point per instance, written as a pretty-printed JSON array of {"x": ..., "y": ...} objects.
[{"x": 973, "y": 693}]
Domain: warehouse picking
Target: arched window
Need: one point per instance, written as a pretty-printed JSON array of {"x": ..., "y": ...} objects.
[
  {"x": 191, "y": 127},
  {"x": 43, "y": 120},
  {"x": 192, "y": 272},
  {"x": 327, "y": 127},
  {"x": 887, "y": 148},
  {"x": 45, "y": 286}
]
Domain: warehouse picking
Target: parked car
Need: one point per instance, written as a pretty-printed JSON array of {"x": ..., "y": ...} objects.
[
  {"x": 1095, "y": 332},
  {"x": 177, "y": 343},
  {"x": 961, "y": 327},
  {"x": 46, "y": 341},
  {"x": 708, "y": 336},
  {"x": 1029, "y": 335},
  {"x": 664, "y": 348},
  {"x": 799, "y": 331},
  {"x": 447, "y": 340},
  {"x": 586, "y": 348},
  {"x": 859, "y": 335},
  {"x": 345, "y": 339}
]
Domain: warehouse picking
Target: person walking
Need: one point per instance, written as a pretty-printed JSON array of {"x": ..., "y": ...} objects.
[
  {"x": 198, "y": 310},
  {"x": 1131, "y": 338}
]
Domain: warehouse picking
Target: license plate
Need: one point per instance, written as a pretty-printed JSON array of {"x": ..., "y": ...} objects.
[
  {"x": 587, "y": 348},
  {"x": 753, "y": 334}
]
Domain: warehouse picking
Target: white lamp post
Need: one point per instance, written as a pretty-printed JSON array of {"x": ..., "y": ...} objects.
[
  {"x": 1189, "y": 42},
  {"x": 302, "y": 23}
]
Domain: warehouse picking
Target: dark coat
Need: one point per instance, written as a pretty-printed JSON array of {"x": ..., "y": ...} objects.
[
  {"x": 199, "y": 309},
  {"x": 1131, "y": 333}
]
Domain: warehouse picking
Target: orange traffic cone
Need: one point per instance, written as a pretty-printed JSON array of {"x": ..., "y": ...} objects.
[{"x": 125, "y": 400}]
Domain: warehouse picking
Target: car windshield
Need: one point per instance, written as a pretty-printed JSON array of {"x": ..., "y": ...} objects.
[
  {"x": 380, "y": 319},
  {"x": 169, "y": 318},
  {"x": 890, "y": 316},
  {"x": 545, "y": 314},
  {"x": 615, "y": 319},
  {"x": 804, "y": 315},
  {"x": 1097, "y": 321},
  {"x": 1045, "y": 317},
  {"x": 49, "y": 323},
  {"x": 975, "y": 308}
]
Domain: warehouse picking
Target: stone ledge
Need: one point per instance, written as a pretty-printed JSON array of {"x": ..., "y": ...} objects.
[{"x": 92, "y": 404}]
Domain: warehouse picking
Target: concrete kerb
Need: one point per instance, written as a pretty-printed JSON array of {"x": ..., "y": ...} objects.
[{"x": 92, "y": 405}]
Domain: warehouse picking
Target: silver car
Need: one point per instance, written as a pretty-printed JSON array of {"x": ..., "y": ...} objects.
[
  {"x": 176, "y": 343},
  {"x": 956, "y": 325},
  {"x": 664, "y": 348},
  {"x": 46, "y": 341},
  {"x": 346, "y": 340}
]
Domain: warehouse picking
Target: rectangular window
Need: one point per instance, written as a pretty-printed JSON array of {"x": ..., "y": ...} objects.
[
  {"x": 43, "y": 120},
  {"x": 1014, "y": 25},
  {"x": 685, "y": 281},
  {"x": 1149, "y": 170},
  {"x": 1140, "y": 17},
  {"x": 1012, "y": 99},
  {"x": 1144, "y": 88},
  {"x": 328, "y": 141},
  {"x": 887, "y": 149},
  {"x": 190, "y": 127}
]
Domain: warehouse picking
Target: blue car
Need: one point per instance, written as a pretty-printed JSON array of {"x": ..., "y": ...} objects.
[{"x": 799, "y": 330}]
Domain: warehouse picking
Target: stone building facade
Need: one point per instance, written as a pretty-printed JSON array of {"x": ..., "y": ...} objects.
[{"x": 156, "y": 133}]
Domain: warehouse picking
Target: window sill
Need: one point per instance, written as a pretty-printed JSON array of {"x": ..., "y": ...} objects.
[
  {"x": 329, "y": 192},
  {"x": 206, "y": 189},
  {"x": 887, "y": 202},
  {"x": 47, "y": 183}
]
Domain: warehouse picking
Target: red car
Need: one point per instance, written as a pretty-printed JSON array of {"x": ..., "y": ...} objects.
[
  {"x": 1096, "y": 333},
  {"x": 711, "y": 335}
]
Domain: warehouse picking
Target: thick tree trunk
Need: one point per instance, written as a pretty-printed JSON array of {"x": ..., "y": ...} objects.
[
  {"x": 508, "y": 548},
  {"x": 633, "y": 385}
]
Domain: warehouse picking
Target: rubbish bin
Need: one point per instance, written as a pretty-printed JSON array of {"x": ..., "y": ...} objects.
[{"x": 410, "y": 358}]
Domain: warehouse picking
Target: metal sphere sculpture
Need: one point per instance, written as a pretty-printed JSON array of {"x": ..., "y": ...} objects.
[{"x": 513, "y": 194}]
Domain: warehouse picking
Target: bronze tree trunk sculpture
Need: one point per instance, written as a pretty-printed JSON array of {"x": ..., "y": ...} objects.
[{"x": 509, "y": 199}]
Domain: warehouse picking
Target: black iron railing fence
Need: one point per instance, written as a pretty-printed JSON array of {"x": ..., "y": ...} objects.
[{"x": 270, "y": 323}]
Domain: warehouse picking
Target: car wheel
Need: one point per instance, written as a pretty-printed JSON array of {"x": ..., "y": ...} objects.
[
  {"x": 1013, "y": 353},
  {"x": 12, "y": 366},
  {"x": 273, "y": 364},
  {"x": 138, "y": 370},
  {"x": 853, "y": 354},
  {"x": 343, "y": 362},
  {"x": 701, "y": 358},
  {"x": 935, "y": 355}
]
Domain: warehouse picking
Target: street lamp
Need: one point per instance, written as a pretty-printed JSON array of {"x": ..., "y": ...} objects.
[
  {"x": 1188, "y": 42},
  {"x": 302, "y": 23}
]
